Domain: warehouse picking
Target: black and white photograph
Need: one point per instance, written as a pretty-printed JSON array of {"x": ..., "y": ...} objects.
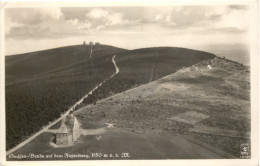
[{"x": 129, "y": 82}]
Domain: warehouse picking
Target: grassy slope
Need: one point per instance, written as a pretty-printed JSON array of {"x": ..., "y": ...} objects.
[
  {"x": 222, "y": 93},
  {"x": 41, "y": 85},
  {"x": 141, "y": 66}
]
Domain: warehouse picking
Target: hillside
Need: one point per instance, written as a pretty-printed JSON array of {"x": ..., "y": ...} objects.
[
  {"x": 41, "y": 85},
  {"x": 198, "y": 112},
  {"x": 209, "y": 104},
  {"x": 31, "y": 65},
  {"x": 141, "y": 66}
]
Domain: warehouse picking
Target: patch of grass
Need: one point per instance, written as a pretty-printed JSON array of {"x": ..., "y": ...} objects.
[{"x": 224, "y": 115}]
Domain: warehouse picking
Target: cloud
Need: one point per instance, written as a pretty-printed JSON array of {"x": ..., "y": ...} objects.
[
  {"x": 239, "y": 7},
  {"x": 103, "y": 19},
  {"x": 73, "y": 22},
  {"x": 39, "y": 23},
  {"x": 21, "y": 21},
  {"x": 205, "y": 18},
  {"x": 237, "y": 19},
  {"x": 50, "y": 29},
  {"x": 75, "y": 13},
  {"x": 187, "y": 16},
  {"x": 9, "y": 24},
  {"x": 100, "y": 19},
  {"x": 33, "y": 15}
]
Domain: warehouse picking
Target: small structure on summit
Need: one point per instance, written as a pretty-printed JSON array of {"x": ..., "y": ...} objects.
[
  {"x": 91, "y": 43},
  {"x": 69, "y": 131},
  {"x": 97, "y": 43},
  {"x": 84, "y": 43}
]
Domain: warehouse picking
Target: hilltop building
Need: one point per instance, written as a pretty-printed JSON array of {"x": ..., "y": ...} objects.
[
  {"x": 69, "y": 131},
  {"x": 91, "y": 43},
  {"x": 97, "y": 43}
]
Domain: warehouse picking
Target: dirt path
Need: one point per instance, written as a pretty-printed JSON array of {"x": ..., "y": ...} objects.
[
  {"x": 72, "y": 108},
  {"x": 90, "y": 55},
  {"x": 96, "y": 131}
]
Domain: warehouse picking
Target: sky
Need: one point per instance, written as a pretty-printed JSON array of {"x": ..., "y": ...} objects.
[{"x": 196, "y": 27}]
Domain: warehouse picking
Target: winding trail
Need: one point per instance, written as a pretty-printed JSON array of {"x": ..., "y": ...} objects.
[
  {"x": 90, "y": 54},
  {"x": 114, "y": 62},
  {"x": 72, "y": 108}
]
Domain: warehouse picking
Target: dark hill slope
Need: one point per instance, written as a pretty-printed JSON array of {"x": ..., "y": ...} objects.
[
  {"x": 30, "y": 65},
  {"x": 141, "y": 66},
  {"x": 158, "y": 62},
  {"x": 42, "y": 85}
]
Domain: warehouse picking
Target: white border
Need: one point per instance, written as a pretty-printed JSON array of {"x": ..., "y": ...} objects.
[{"x": 254, "y": 42}]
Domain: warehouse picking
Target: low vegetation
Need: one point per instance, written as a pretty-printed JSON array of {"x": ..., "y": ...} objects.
[
  {"x": 141, "y": 66},
  {"x": 155, "y": 107}
]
